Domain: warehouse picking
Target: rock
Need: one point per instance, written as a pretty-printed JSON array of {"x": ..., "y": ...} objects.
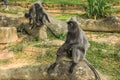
[
  {"x": 81, "y": 72},
  {"x": 38, "y": 72},
  {"x": 57, "y": 26},
  {"x": 8, "y": 34},
  {"x": 109, "y": 24},
  {"x": 11, "y": 20},
  {"x": 36, "y": 32}
]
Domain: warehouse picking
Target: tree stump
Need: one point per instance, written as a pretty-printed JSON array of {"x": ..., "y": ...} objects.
[
  {"x": 36, "y": 32},
  {"x": 8, "y": 34}
]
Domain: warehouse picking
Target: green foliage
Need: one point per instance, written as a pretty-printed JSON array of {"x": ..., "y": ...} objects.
[
  {"x": 16, "y": 48},
  {"x": 65, "y": 17},
  {"x": 50, "y": 56},
  {"x": 98, "y": 8},
  {"x": 53, "y": 1},
  {"x": 51, "y": 36},
  {"x": 106, "y": 58},
  {"x": 62, "y": 36},
  {"x": 64, "y": 1},
  {"x": 116, "y": 10}
]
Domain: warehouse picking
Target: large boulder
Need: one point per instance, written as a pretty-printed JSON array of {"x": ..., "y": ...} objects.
[
  {"x": 57, "y": 27},
  {"x": 36, "y": 32},
  {"x": 109, "y": 24},
  {"x": 8, "y": 34},
  {"x": 38, "y": 72},
  {"x": 8, "y": 20}
]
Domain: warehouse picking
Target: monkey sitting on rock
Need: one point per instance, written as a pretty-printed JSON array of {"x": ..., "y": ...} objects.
[
  {"x": 75, "y": 46},
  {"x": 38, "y": 17}
]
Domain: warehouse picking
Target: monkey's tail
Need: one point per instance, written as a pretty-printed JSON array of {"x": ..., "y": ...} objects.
[
  {"x": 52, "y": 32},
  {"x": 97, "y": 77}
]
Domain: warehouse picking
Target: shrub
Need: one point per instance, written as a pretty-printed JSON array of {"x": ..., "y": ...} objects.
[{"x": 98, "y": 8}]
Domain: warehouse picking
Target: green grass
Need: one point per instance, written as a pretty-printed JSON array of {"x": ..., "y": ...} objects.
[
  {"x": 54, "y": 1},
  {"x": 114, "y": 2},
  {"x": 64, "y": 1},
  {"x": 105, "y": 58},
  {"x": 49, "y": 57},
  {"x": 5, "y": 61},
  {"x": 66, "y": 17},
  {"x": 116, "y": 10},
  {"x": 10, "y": 11}
]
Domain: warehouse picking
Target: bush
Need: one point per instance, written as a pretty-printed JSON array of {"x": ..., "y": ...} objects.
[{"x": 98, "y": 8}]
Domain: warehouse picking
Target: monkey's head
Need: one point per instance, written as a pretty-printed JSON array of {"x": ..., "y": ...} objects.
[
  {"x": 27, "y": 15},
  {"x": 37, "y": 6},
  {"x": 72, "y": 26}
]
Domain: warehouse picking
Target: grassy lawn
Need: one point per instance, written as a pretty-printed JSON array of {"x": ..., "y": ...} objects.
[
  {"x": 65, "y": 17},
  {"x": 116, "y": 10},
  {"x": 64, "y": 1},
  {"x": 105, "y": 58},
  {"x": 54, "y": 1}
]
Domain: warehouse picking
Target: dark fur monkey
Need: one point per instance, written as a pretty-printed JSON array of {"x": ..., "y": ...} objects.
[
  {"x": 41, "y": 16},
  {"x": 75, "y": 46},
  {"x": 36, "y": 15},
  {"x": 31, "y": 14}
]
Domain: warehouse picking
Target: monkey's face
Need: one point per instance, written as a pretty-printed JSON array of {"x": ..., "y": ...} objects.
[
  {"x": 72, "y": 26},
  {"x": 37, "y": 6}
]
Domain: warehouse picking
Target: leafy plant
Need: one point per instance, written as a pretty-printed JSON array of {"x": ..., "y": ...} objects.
[{"x": 98, "y": 8}]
